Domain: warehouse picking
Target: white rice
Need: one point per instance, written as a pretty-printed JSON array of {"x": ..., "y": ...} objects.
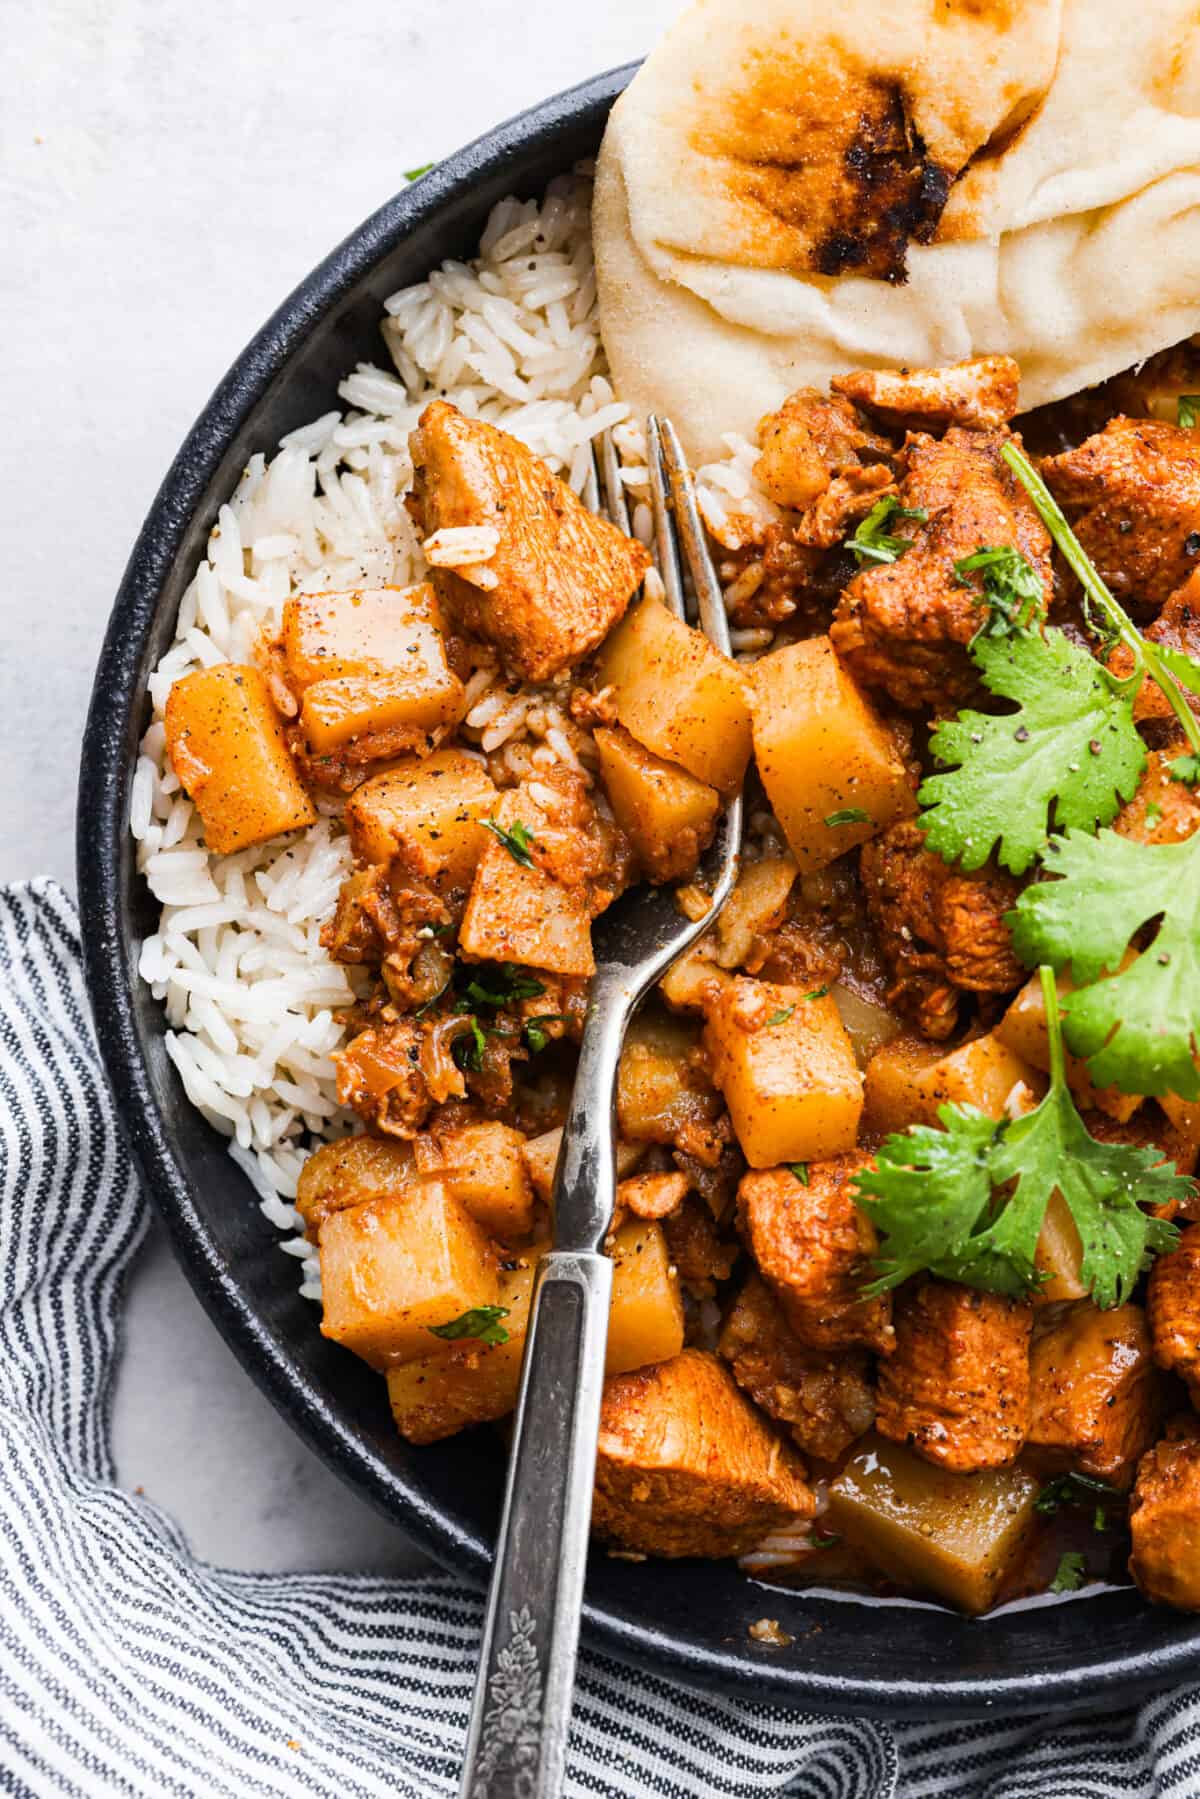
[{"x": 512, "y": 338}]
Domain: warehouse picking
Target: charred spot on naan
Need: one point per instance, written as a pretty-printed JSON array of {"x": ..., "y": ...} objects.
[{"x": 825, "y": 165}]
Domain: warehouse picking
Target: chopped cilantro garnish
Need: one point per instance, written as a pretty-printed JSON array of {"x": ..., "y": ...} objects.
[
  {"x": 850, "y": 815},
  {"x": 800, "y": 1170},
  {"x": 535, "y": 1036},
  {"x": 967, "y": 1201},
  {"x": 818, "y": 992},
  {"x": 1071, "y": 747},
  {"x": 517, "y": 841},
  {"x": 415, "y": 174},
  {"x": 871, "y": 543},
  {"x": 1187, "y": 410},
  {"x": 1070, "y": 1574},
  {"x": 1099, "y": 1519},
  {"x": 1011, "y": 592},
  {"x": 468, "y": 1050},
  {"x": 1153, "y": 812},
  {"x": 1185, "y": 769},
  {"x": 823, "y": 1540},
  {"x": 780, "y": 1017},
  {"x": 1071, "y": 1489},
  {"x": 1137, "y": 1027},
  {"x": 507, "y": 984},
  {"x": 481, "y": 1323}
]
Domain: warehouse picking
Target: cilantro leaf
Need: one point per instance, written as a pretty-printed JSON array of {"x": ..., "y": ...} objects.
[
  {"x": 1012, "y": 590},
  {"x": 780, "y": 1017},
  {"x": 1071, "y": 747},
  {"x": 827, "y": 1539},
  {"x": 518, "y": 841},
  {"x": 1187, "y": 410},
  {"x": 1136, "y": 1027},
  {"x": 1071, "y": 1572},
  {"x": 1072, "y": 1489},
  {"x": 415, "y": 174},
  {"x": 1185, "y": 769},
  {"x": 1102, "y": 1183},
  {"x": 535, "y": 1036},
  {"x": 800, "y": 1170},
  {"x": 507, "y": 984},
  {"x": 481, "y": 1322},
  {"x": 927, "y": 1194},
  {"x": 967, "y": 1202},
  {"x": 871, "y": 543},
  {"x": 849, "y": 815}
]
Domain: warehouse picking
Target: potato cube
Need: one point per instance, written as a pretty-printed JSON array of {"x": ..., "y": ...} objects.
[
  {"x": 430, "y": 808},
  {"x": 832, "y": 769},
  {"x": 541, "y": 1159},
  {"x": 226, "y": 745},
  {"x": 468, "y": 1382},
  {"x": 1023, "y": 1029},
  {"x": 890, "y": 1099},
  {"x": 955, "y": 1535},
  {"x": 395, "y": 1266},
  {"x": 667, "y": 814},
  {"x": 694, "y": 981},
  {"x": 1059, "y": 1255},
  {"x": 521, "y": 914},
  {"x": 662, "y": 1083},
  {"x": 909, "y": 1079},
  {"x": 646, "y": 1321},
  {"x": 485, "y": 1168},
  {"x": 369, "y": 661},
  {"x": 786, "y": 1066},
  {"x": 678, "y": 695},
  {"x": 329, "y": 636},
  {"x": 350, "y": 1171}
]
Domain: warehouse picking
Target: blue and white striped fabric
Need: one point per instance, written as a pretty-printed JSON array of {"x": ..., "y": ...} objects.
[{"x": 127, "y": 1667}]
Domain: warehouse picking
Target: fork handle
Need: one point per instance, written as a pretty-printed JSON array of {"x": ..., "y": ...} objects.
[{"x": 521, "y": 1712}]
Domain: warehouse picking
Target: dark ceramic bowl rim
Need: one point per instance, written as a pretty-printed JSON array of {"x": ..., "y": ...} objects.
[{"x": 1087, "y": 1677}]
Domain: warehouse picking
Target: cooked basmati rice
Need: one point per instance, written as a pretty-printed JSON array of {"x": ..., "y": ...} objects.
[{"x": 513, "y": 337}]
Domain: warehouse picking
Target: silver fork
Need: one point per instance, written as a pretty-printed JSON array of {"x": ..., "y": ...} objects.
[{"x": 521, "y": 1710}]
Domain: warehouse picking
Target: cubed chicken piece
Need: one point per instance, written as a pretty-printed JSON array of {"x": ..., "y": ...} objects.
[
  {"x": 1095, "y": 1395},
  {"x": 678, "y": 695},
  {"x": 957, "y": 1388},
  {"x": 226, "y": 744},
  {"x": 1162, "y": 810},
  {"x": 826, "y": 1401},
  {"x": 942, "y": 932},
  {"x": 652, "y": 1195},
  {"x": 351, "y": 1171},
  {"x": 428, "y": 810},
  {"x": 483, "y": 1165},
  {"x": 1132, "y": 494},
  {"x": 905, "y": 625},
  {"x": 1173, "y": 1308},
  {"x": 687, "y": 1467},
  {"x": 559, "y": 577},
  {"x": 663, "y": 1082},
  {"x": 1164, "y": 1522},
  {"x": 786, "y": 1066},
  {"x": 395, "y": 1266},
  {"x": 702, "y": 1251},
  {"x": 981, "y": 391},
  {"x": 813, "y": 1246},
  {"x": 667, "y": 814},
  {"x": 956, "y": 1535},
  {"x": 809, "y": 443},
  {"x": 834, "y": 772},
  {"x": 516, "y": 911},
  {"x": 370, "y": 663}
]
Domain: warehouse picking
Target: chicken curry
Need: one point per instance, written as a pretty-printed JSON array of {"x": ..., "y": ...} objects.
[{"x": 905, "y": 1277}]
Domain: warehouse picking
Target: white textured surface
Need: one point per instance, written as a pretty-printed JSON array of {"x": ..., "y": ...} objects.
[{"x": 171, "y": 171}]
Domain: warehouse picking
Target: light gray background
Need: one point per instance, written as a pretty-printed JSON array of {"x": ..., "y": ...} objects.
[{"x": 170, "y": 170}]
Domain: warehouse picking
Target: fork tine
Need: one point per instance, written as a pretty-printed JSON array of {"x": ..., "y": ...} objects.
[
  {"x": 615, "y": 503},
  {"x": 713, "y": 618},
  {"x": 664, "y": 530}
]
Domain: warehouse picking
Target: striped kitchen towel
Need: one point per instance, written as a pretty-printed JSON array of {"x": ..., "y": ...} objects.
[{"x": 127, "y": 1667}]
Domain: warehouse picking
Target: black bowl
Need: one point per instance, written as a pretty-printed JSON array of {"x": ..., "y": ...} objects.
[{"x": 849, "y": 1654}]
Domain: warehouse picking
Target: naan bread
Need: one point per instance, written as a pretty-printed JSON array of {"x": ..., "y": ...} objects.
[{"x": 791, "y": 188}]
